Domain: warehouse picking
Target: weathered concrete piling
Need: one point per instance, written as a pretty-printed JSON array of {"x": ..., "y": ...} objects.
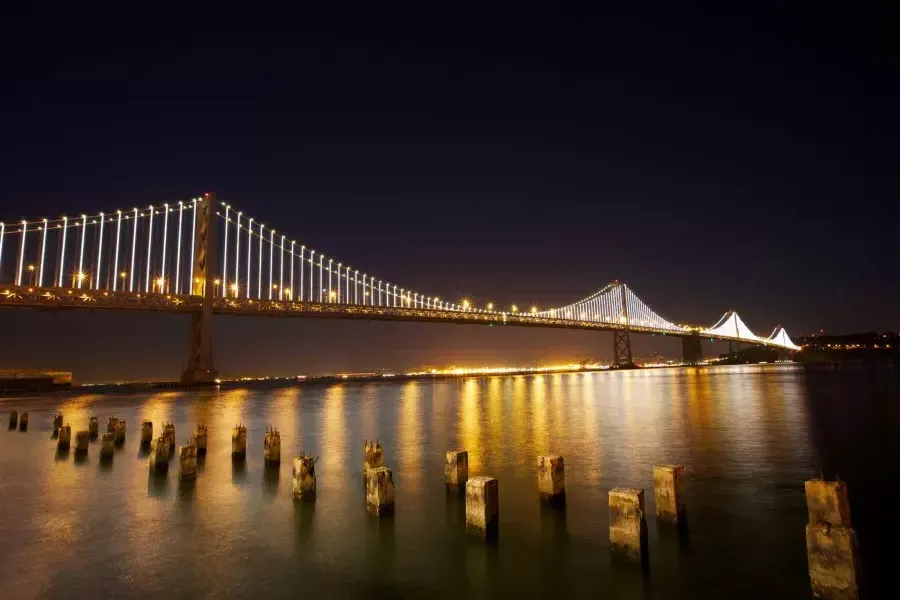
[
  {"x": 82, "y": 442},
  {"x": 627, "y": 525},
  {"x": 119, "y": 432},
  {"x": 456, "y": 468},
  {"x": 94, "y": 427},
  {"x": 64, "y": 436},
  {"x": 373, "y": 457},
  {"x": 107, "y": 446},
  {"x": 159, "y": 455},
  {"x": 169, "y": 435},
  {"x": 146, "y": 433},
  {"x": 57, "y": 423},
  {"x": 305, "y": 477},
  {"x": 831, "y": 541},
  {"x": 13, "y": 419},
  {"x": 272, "y": 447},
  {"x": 239, "y": 442},
  {"x": 111, "y": 425},
  {"x": 668, "y": 481},
  {"x": 483, "y": 506},
  {"x": 188, "y": 461},
  {"x": 23, "y": 422},
  {"x": 551, "y": 474},
  {"x": 200, "y": 438},
  {"x": 380, "y": 492}
]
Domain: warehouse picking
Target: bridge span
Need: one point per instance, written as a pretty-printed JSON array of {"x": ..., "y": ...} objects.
[{"x": 168, "y": 258}]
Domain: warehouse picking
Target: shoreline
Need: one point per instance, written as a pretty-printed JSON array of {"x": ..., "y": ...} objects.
[{"x": 323, "y": 380}]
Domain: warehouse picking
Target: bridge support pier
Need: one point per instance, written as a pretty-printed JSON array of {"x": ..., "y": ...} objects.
[
  {"x": 691, "y": 350},
  {"x": 199, "y": 367},
  {"x": 622, "y": 350}
]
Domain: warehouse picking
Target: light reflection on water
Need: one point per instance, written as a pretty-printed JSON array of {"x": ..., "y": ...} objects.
[{"x": 86, "y": 530}]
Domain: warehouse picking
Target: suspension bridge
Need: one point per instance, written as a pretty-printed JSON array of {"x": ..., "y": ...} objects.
[{"x": 203, "y": 258}]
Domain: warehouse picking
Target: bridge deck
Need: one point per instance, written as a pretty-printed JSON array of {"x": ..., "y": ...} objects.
[{"x": 54, "y": 298}]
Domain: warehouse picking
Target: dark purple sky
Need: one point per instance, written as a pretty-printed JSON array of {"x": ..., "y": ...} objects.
[{"x": 711, "y": 161}]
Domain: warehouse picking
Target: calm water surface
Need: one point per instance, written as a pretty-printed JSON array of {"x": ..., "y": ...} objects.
[{"x": 749, "y": 437}]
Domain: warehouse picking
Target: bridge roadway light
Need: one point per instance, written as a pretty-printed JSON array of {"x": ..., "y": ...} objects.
[
  {"x": 534, "y": 310},
  {"x": 234, "y": 289},
  {"x": 515, "y": 308},
  {"x": 466, "y": 304},
  {"x": 490, "y": 306}
]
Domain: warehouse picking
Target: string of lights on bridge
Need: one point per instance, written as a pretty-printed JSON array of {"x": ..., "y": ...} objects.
[{"x": 152, "y": 250}]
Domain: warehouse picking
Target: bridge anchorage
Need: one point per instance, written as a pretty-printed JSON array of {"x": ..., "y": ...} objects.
[{"x": 202, "y": 258}]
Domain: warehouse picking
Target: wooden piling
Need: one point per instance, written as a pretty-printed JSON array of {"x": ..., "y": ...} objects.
[
  {"x": 831, "y": 546},
  {"x": 667, "y": 492},
  {"x": 456, "y": 468},
  {"x": 483, "y": 507}
]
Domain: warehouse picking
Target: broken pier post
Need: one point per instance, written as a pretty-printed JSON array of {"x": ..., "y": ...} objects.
[
  {"x": 146, "y": 433},
  {"x": 13, "y": 419},
  {"x": 272, "y": 448},
  {"x": 200, "y": 438},
  {"x": 169, "y": 435},
  {"x": 188, "y": 460},
  {"x": 23, "y": 422},
  {"x": 373, "y": 458},
  {"x": 64, "y": 437},
  {"x": 668, "y": 481},
  {"x": 94, "y": 427},
  {"x": 483, "y": 506},
  {"x": 57, "y": 423},
  {"x": 627, "y": 525},
  {"x": 107, "y": 446},
  {"x": 552, "y": 479},
  {"x": 456, "y": 468},
  {"x": 159, "y": 455},
  {"x": 380, "y": 492},
  {"x": 119, "y": 432},
  {"x": 239, "y": 443},
  {"x": 82, "y": 441},
  {"x": 305, "y": 477},
  {"x": 111, "y": 425},
  {"x": 831, "y": 542}
]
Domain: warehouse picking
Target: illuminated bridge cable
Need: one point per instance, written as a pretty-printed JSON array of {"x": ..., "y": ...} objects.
[
  {"x": 614, "y": 306},
  {"x": 178, "y": 249}
]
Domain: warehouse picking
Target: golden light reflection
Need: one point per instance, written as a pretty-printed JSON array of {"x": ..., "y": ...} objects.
[
  {"x": 286, "y": 402},
  {"x": 369, "y": 412},
  {"x": 410, "y": 434},
  {"x": 495, "y": 410},
  {"x": 334, "y": 433},
  {"x": 540, "y": 432},
  {"x": 591, "y": 433},
  {"x": 470, "y": 427}
]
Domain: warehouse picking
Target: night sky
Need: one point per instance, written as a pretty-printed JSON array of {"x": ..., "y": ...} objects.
[{"x": 710, "y": 161}]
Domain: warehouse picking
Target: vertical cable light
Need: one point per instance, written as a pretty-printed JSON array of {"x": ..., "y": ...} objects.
[
  {"x": 99, "y": 254},
  {"x": 237, "y": 256},
  {"x": 115, "y": 279},
  {"x": 178, "y": 249},
  {"x": 149, "y": 250},
  {"x": 249, "y": 253},
  {"x": 134, "y": 251}
]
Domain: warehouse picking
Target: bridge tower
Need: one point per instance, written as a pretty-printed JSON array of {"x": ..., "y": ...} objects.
[
  {"x": 691, "y": 349},
  {"x": 621, "y": 339},
  {"x": 199, "y": 367}
]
